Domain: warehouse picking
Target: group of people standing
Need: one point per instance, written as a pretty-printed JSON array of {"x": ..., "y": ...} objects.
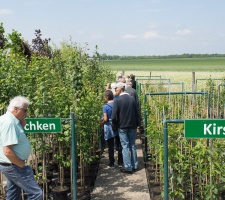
[{"x": 121, "y": 118}]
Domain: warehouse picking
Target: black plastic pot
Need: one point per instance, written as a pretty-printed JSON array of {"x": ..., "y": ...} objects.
[{"x": 60, "y": 193}]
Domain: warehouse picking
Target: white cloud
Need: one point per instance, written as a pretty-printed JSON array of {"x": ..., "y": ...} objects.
[
  {"x": 5, "y": 12},
  {"x": 151, "y": 35},
  {"x": 184, "y": 32},
  {"x": 129, "y": 37}
]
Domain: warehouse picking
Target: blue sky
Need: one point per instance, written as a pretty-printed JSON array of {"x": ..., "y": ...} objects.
[{"x": 122, "y": 27}]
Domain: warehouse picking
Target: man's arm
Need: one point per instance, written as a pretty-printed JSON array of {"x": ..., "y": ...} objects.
[
  {"x": 105, "y": 117},
  {"x": 9, "y": 153}
]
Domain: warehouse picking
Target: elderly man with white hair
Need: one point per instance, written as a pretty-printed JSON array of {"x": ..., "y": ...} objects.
[
  {"x": 14, "y": 150},
  {"x": 125, "y": 115}
]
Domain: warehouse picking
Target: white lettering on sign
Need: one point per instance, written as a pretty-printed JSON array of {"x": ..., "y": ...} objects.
[
  {"x": 37, "y": 126},
  {"x": 213, "y": 129}
]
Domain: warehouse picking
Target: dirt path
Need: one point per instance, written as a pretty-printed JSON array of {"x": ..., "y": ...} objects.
[{"x": 112, "y": 184}]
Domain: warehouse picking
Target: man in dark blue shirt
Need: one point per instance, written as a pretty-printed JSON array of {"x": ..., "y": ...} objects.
[{"x": 125, "y": 115}]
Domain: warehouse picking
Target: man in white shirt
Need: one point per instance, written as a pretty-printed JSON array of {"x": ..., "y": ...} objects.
[{"x": 14, "y": 150}]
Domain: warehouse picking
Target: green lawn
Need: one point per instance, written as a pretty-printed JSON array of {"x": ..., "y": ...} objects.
[{"x": 179, "y": 64}]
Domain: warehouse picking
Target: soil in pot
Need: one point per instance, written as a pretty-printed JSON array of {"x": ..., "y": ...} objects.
[
  {"x": 83, "y": 194},
  {"x": 60, "y": 192}
]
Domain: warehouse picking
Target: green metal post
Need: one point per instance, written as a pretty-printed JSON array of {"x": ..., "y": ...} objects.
[
  {"x": 139, "y": 98},
  {"x": 165, "y": 143},
  {"x": 74, "y": 158},
  {"x": 219, "y": 99},
  {"x": 145, "y": 129},
  {"x": 137, "y": 86},
  {"x": 182, "y": 86}
]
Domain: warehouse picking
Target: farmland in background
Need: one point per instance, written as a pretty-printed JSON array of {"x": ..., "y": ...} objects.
[
  {"x": 173, "y": 64},
  {"x": 175, "y": 69}
]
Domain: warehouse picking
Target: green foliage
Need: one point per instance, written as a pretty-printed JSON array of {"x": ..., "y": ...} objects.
[
  {"x": 2, "y": 38},
  {"x": 196, "y": 169},
  {"x": 67, "y": 81},
  {"x": 88, "y": 114},
  {"x": 15, "y": 42},
  {"x": 2, "y": 30}
]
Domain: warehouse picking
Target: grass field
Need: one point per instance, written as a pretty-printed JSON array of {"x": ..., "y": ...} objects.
[
  {"x": 180, "y": 64},
  {"x": 176, "y": 70}
]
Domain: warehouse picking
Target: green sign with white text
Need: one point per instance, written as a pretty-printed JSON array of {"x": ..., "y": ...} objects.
[
  {"x": 204, "y": 128},
  {"x": 43, "y": 125}
]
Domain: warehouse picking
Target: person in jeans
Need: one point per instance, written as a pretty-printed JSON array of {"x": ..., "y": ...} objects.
[
  {"x": 125, "y": 115},
  {"x": 111, "y": 135},
  {"x": 14, "y": 150}
]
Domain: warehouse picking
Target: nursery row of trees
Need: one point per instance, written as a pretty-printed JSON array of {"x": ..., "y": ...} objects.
[
  {"x": 196, "y": 166},
  {"x": 58, "y": 81}
]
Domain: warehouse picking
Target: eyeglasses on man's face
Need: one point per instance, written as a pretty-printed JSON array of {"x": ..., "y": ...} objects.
[{"x": 25, "y": 110}]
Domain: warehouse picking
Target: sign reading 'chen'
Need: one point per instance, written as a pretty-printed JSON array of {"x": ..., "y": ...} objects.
[
  {"x": 43, "y": 125},
  {"x": 207, "y": 128}
]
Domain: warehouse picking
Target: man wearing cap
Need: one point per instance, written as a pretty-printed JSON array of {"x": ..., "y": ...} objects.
[{"x": 125, "y": 115}]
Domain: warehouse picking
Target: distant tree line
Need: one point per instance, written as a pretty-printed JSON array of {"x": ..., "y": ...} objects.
[{"x": 104, "y": 56}]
